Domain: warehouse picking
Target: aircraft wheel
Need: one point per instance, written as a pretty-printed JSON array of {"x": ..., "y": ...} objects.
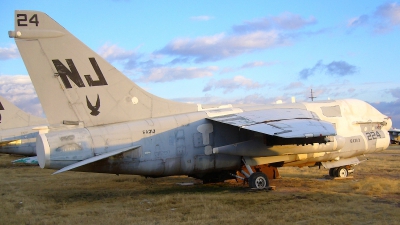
[
  {"x": 258, "y": 180},
  {"x": 342, "y": 172},
  {"x": 335, "y": 172},
  {"x": 332, "y": 172}
]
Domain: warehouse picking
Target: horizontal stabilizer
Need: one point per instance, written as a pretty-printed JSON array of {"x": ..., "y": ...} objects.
[
  {"x": 94, "y": 159},
  {"x": 284, "y": 123},
  {"x": 28, "y": 160}
]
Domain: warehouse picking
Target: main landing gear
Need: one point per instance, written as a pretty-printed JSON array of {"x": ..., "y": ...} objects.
[
  {"x": 256, "y": 179},
  {"x": 342, "y": 171}
]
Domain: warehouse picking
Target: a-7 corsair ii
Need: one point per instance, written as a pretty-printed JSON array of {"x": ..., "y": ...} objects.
[{"x": 117, "y": 127}]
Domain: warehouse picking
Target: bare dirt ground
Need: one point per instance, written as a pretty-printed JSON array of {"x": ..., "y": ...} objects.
[{"x": 30, "y": 195}]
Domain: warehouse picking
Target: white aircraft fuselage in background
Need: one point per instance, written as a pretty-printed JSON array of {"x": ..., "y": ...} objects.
[{"x": 113, "y": 126}]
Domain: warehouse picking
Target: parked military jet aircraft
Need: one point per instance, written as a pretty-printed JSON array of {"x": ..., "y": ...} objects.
[
  {"x": 394, "y": 136},
  {"x": 117, "y": 127},
  {"x": 18, "y": 129}
]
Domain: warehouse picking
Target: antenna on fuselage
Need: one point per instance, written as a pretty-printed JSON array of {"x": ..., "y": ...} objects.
[{"x": 312, "y": 96}]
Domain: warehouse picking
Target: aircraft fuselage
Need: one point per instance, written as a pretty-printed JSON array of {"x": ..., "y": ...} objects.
[{"x": 181, "y": 144}]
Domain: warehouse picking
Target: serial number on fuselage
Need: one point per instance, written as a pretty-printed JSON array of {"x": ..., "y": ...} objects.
[
  {"x": 372, "y": 135},
  {"x": 150, "y": 131}
]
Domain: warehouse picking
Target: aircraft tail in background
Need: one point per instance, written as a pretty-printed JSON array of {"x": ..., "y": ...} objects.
[
  {"x": 13, "y": 117},
  {"x": 18, "y": 129}
]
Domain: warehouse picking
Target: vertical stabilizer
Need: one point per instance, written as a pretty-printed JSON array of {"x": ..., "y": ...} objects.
[
  {"x": 13, "y": 117},
  {"x": 76, "y": 84}
]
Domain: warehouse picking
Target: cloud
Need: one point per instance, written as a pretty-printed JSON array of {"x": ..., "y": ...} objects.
[
  {"x": 115, "y": 53},
  {"x": 388, "y": 16},
  {"x": 294, "y": 85},
  {"x": 256, "y": 99},
  {"x": 201, "y": 18},
  {"x": 214, "y": 100},
  {"x": 147, "y": 67},
  {"x": 221, "y": 46},
  {"x": 384, "y": 19},
  {"x": 248, "y": 65},
  {"x": 338, "y": 68},
  {"x": 229, "y": 85},
  {"x": 19, "y": 90},
  {"x": 391, "y": 109},
  {"x": 336, "y": 89},
  {"x": 128, "y": 58},
  {"x": 217, "y": 101},
  {"x": 257, "y": 64},
  {"x": 10, "y": 52},
  {"x": 292, "y": 21},
  {"x": 259, "y": 34},
  {"x": 285, "y": 21},
  {"x": 305, "y": 73},
  {"x": 358, "y": 21},
  {"x": 167, "y": 74},
  {"x": 395, "y": 92},
  {"x": 389, "y": 12},
  {"x": 16, "y": 85}
]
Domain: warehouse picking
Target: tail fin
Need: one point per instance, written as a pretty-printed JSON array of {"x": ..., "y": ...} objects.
[
  {"x": 13, "y": 117},
  {"x": 75, "y": 84}
]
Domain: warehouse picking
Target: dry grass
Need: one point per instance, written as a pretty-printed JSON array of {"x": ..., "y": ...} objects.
[{"x": 30, "y": 195}]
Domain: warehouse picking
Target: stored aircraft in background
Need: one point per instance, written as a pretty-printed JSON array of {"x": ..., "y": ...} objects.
[
  {"x": 18, "y": 129},
  {"x": 117, "y": 127},
  {"x": 394, "y": 136}
]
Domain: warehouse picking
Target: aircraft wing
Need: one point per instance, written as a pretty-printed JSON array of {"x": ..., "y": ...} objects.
[
  {"x": 284, "y": 123},
  {"x": 95, "y": 158}
]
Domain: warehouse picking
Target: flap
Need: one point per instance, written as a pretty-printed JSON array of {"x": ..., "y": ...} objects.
[
  {"x": 285, "y": 123},
  {"x": 96, "y": 158}
]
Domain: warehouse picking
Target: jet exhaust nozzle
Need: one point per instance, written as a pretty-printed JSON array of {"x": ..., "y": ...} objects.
[{"x": 58, "y": 149}]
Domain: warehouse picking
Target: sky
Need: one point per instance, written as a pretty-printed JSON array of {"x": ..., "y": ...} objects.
[{"x": 219, "y": 52}]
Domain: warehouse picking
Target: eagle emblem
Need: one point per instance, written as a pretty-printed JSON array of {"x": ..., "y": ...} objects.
[{"x": 94, "y": 109}]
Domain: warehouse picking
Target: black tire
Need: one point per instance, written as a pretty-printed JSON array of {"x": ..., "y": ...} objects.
[
  {"x": 334, "y": 172},
  {"x": 258, "y": 180},
  {"x": 342, "y": 172},
  {"x": 331, "y": 172}
]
